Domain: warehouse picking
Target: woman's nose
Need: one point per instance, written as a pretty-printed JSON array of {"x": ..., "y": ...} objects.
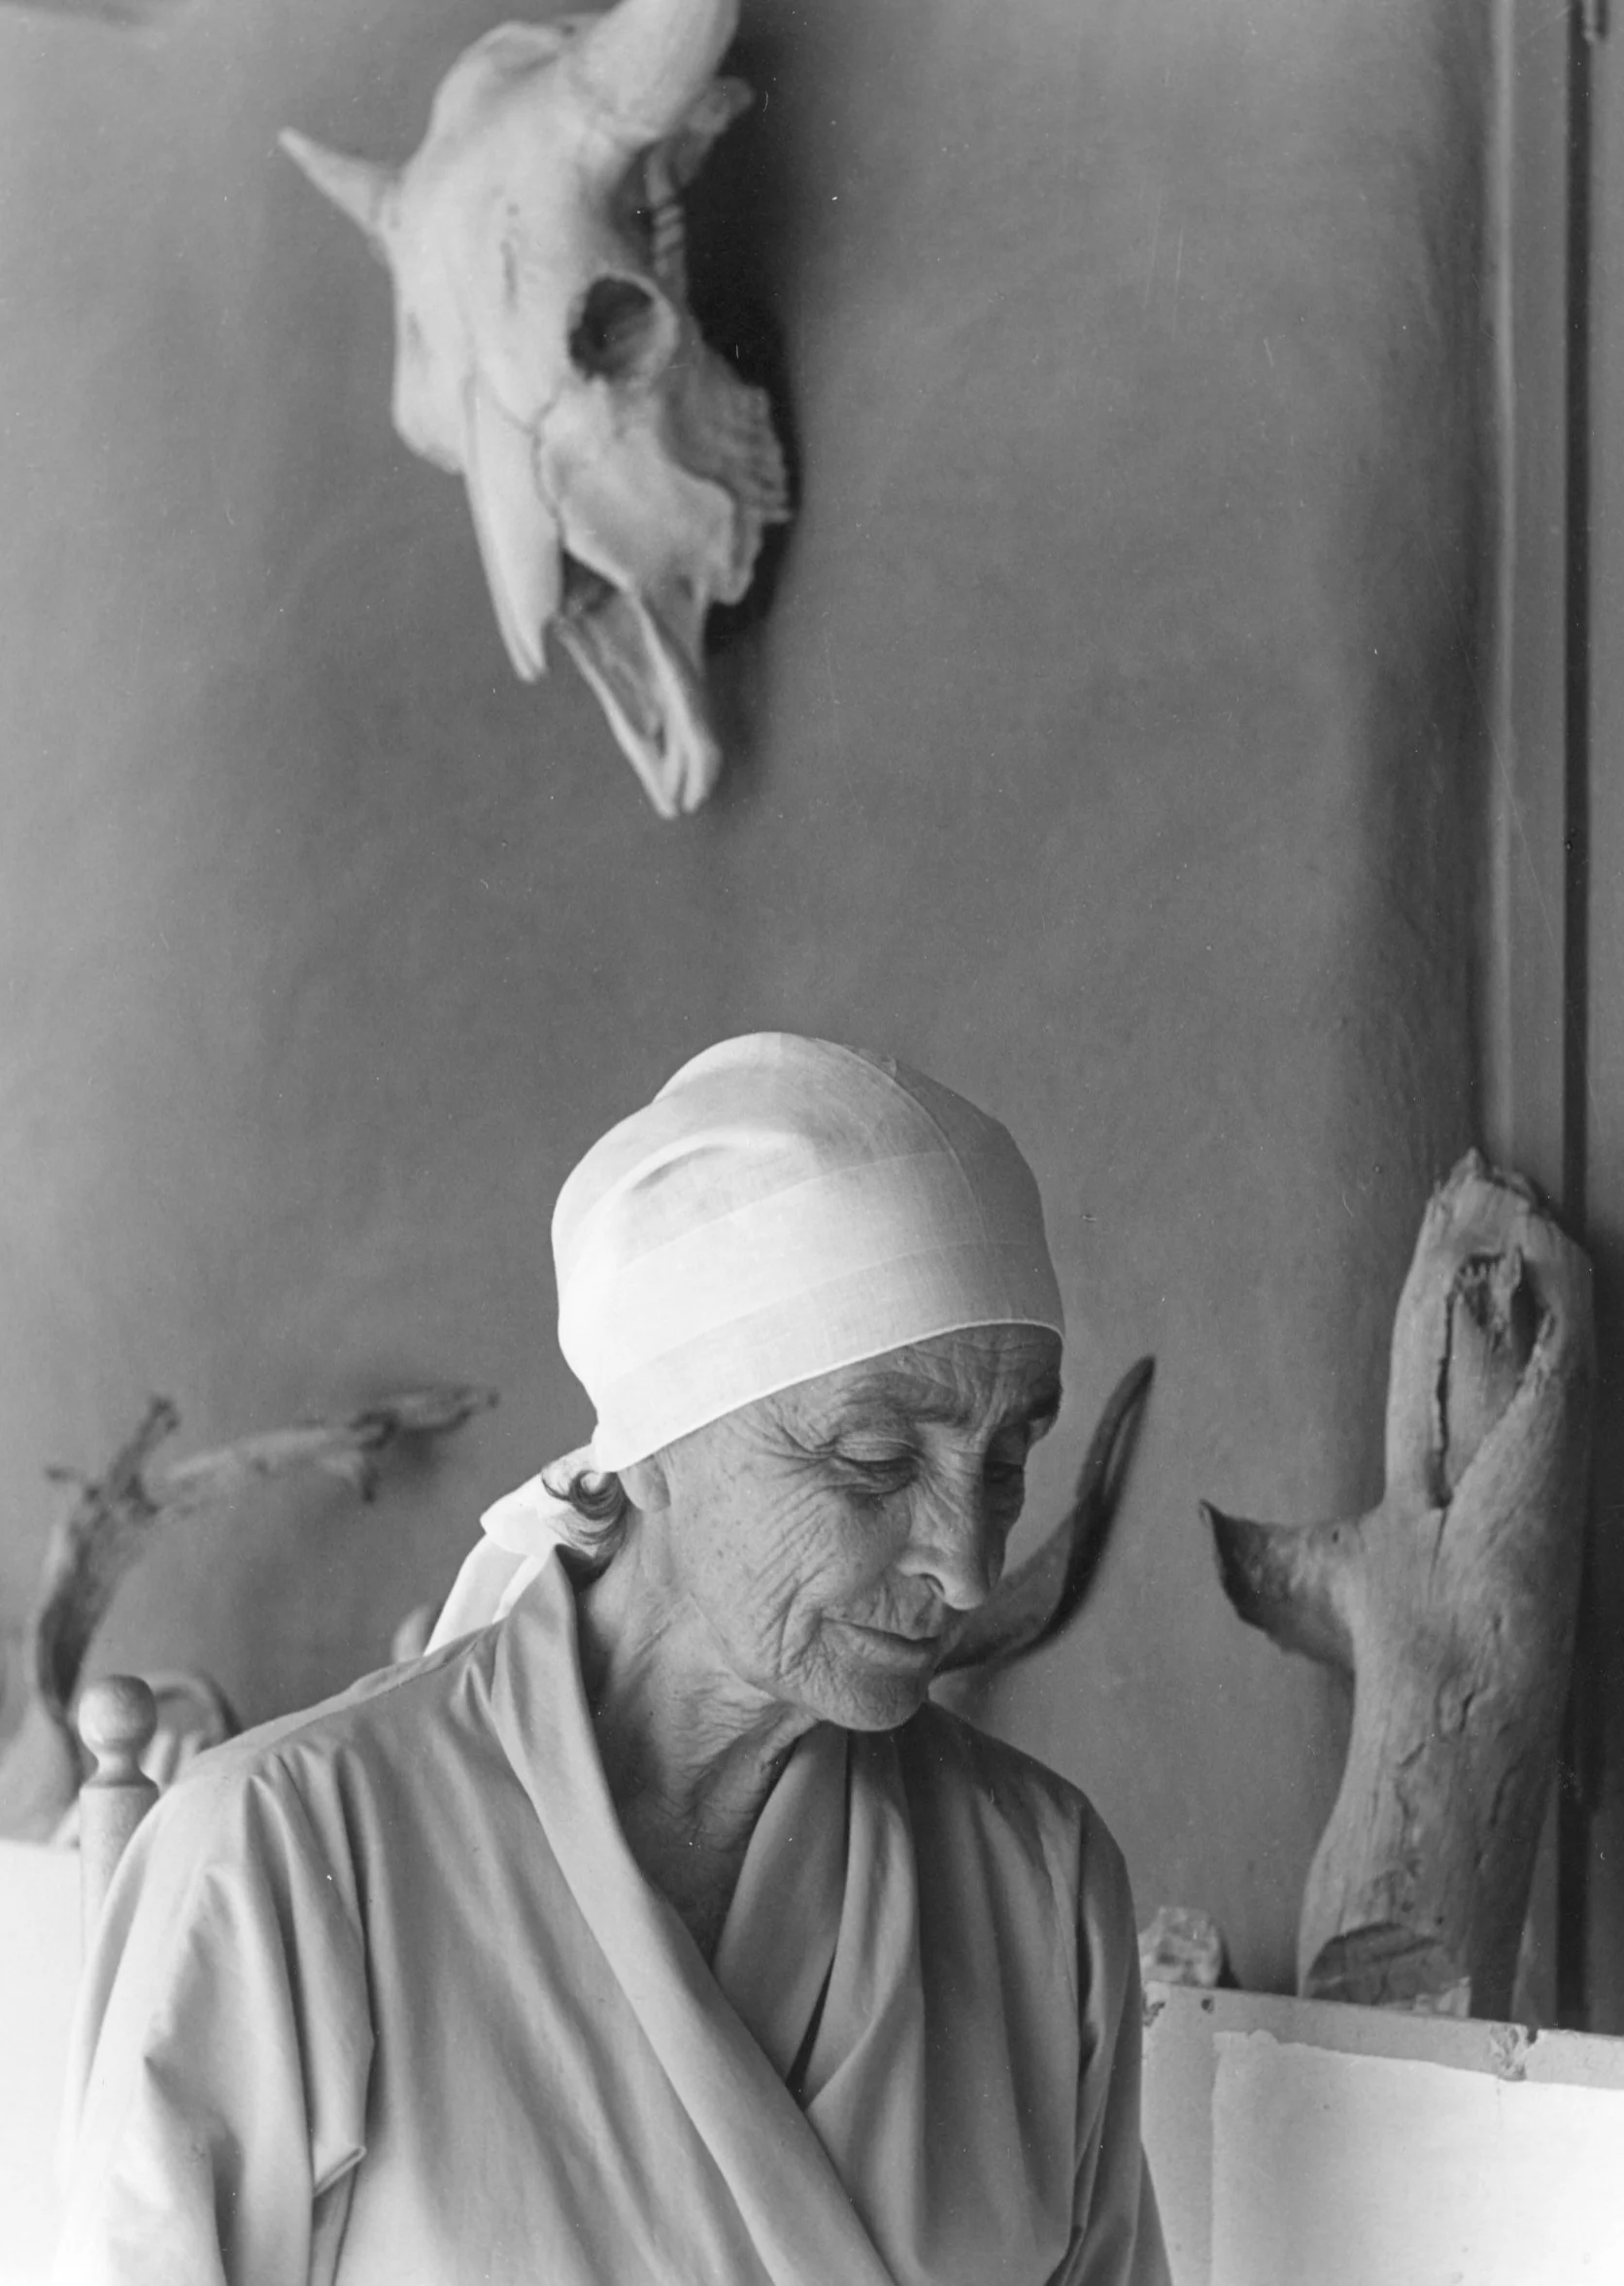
[{"x": 955, "y": 1543}]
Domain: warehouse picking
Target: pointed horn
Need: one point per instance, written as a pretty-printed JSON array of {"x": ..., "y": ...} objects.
[
  {"x": 646, "y": 61},
  {"x": 1032, "y": 1606},
  {"x": 356, "y": 186}
]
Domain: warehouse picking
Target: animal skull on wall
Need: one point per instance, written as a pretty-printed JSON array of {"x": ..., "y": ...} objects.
[{"x": 620, "y": 474}]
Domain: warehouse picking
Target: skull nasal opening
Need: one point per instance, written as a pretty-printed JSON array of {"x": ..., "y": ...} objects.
[{"x": 621, "y": 331}]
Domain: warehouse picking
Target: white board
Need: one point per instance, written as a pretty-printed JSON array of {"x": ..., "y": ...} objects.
[
  {"x": 39, "y": 1953},
  {"x": 1364, "y": 2170}
]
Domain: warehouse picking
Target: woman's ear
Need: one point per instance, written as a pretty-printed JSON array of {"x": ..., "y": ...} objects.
[{"x": 646, "y": 1483}]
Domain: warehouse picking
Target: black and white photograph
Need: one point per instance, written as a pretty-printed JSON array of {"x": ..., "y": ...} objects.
[{"x": 811, "y": 1142}]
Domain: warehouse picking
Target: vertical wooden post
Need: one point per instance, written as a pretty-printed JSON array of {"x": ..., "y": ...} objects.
[
  {"x": 1533, "y": 986},
  {"x": 1597, "y": 502},
  {"x": 116, "y": 1718}
]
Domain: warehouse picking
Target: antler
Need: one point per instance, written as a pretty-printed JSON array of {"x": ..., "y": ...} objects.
[
  {"x": 110, "y": 1525},
  {"x": 1034, "y": 1603}
]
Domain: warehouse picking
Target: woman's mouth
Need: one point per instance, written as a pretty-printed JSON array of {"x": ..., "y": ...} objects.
[{"x": 897, "y": 1642}]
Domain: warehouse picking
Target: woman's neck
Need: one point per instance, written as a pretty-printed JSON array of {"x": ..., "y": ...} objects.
[{"x": 689, "y": 1753}]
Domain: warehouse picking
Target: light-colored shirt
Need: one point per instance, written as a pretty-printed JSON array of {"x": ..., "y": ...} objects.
[{"x": 380, "y": 1997}]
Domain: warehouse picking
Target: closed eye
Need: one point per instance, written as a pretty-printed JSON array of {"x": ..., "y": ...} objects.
[
  {"x": 890, "y": 1470},
  {"x": 1009, "y": 1448}
]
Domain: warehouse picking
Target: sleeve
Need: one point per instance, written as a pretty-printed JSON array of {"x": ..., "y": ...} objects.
[
  {"x": 1116, "y": 2229},
  {"x": 218, "y": 2078}
]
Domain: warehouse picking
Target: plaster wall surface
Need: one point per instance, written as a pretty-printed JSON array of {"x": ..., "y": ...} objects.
[{"x": 1105, "y": 748}]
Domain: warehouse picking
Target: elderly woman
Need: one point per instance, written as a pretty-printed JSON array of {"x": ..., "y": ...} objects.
[{"x": 655, "y": 1925}]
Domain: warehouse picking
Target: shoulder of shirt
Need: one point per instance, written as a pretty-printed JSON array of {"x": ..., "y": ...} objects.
[
  {"x": 951, "y": 1741},
  {"x": 1015, "y": 1786},
  {"x": 390, "y": 1699}
]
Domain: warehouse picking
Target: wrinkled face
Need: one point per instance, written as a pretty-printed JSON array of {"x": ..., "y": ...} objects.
[{"x": 824, "y": 1536}]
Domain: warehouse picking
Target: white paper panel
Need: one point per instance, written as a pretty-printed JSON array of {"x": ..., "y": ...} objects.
[
  {"x": 39, "y": 1971},
  {"x": 1363, "y": 2170}
]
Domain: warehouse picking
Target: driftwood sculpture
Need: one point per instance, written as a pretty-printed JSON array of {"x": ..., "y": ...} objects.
[
  {"x": 1451, "y": 1605},
  {"x": 620, "y": 473},
  {"x": 110, "y": 1525}
]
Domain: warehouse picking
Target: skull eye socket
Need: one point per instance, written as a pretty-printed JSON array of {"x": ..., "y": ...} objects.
[{"x": 620, "y": 331}]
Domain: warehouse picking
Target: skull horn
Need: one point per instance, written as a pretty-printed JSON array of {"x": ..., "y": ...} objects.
[
  {"x": 356, "y": 186},
  {"x": 646, "y": 61}
]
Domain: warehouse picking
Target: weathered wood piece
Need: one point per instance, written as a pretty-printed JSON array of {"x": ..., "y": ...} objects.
[
  {"x": 110, "y": 1522},
  {"x": 1037, "y": 1601},
  {"x": 1450, "y": 1605},
  {"x": 116, "y": 1718},
  {"x": 39, "y": 1760}
]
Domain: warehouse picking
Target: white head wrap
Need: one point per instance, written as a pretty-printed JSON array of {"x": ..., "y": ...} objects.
[{"x": 783, "y": 1208}]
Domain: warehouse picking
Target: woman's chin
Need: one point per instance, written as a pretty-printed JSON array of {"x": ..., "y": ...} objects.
[
  {"x": 873, "y": 1710},
  {"x": 876, "y": 1681}
]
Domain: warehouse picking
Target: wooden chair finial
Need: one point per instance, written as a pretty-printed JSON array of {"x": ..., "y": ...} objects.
[{"x": 116, "y": 1718}]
